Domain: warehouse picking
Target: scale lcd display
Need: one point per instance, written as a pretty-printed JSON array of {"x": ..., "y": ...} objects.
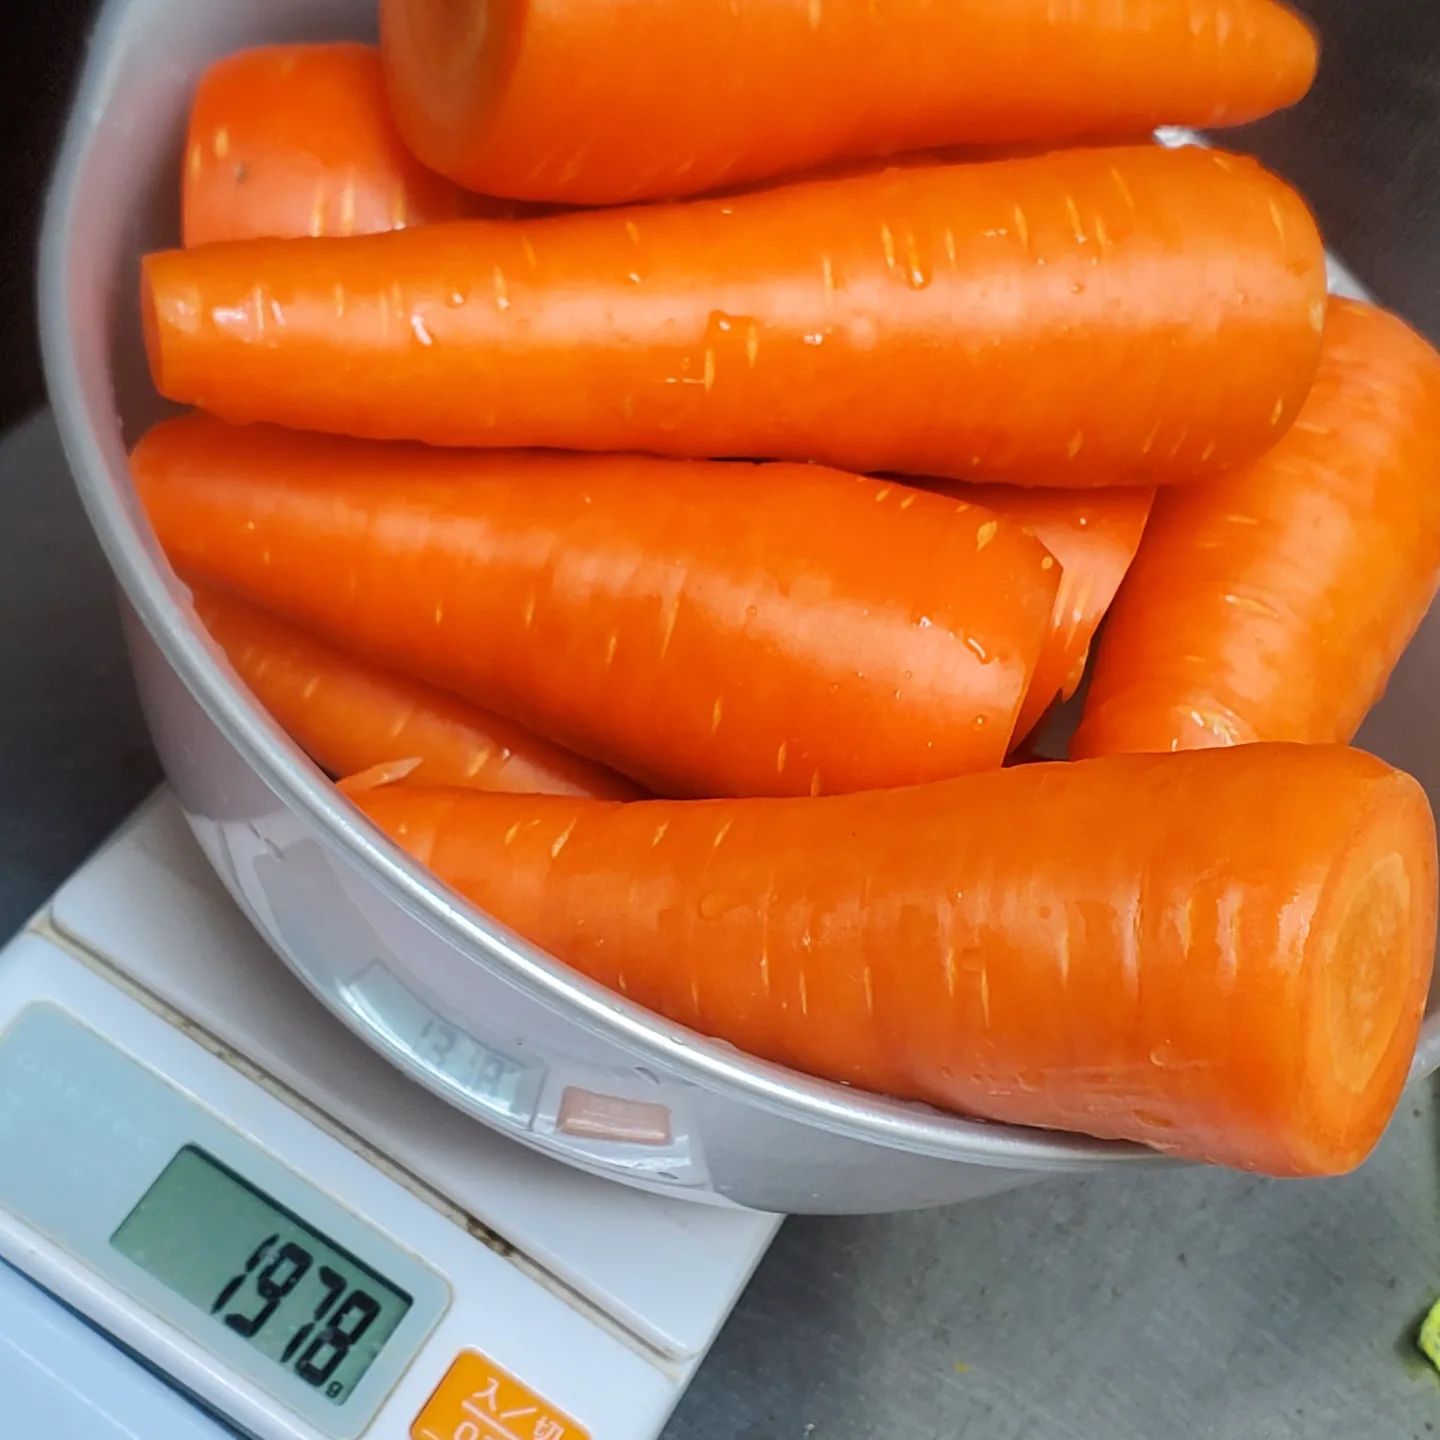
[
  {"x": 474, "y": 1067},
  {"x": 297, "y": 1299}
]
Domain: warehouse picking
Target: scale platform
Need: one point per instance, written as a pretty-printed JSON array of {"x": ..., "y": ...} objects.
[{"x": 222, "y": 1212}]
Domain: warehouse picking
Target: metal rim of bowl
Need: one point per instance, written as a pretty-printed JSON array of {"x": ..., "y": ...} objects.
[{"x": 100, "y": 468}]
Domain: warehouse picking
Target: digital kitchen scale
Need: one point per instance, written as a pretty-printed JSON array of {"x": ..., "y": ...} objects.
[{"x": 269, "y": 1229}]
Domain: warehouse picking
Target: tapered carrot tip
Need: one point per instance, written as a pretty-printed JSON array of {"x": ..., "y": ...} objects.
[
  {"x": 1094, "y": 535},
  {"x": 1221, "y": 954}
]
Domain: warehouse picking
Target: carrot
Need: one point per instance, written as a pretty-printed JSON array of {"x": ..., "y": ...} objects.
[
  {"x": 585, "y": 103},
  {"x": 1222, "y": 955},
  {"x": 1094, "y": 535},
  {"x": 1273, "y": 603},
  {"x": 1089, "y": 317},
  {"x": 350, "y": 716},
  {"x": 297, "y": 140},
  {"x": 705, "y": 628}
]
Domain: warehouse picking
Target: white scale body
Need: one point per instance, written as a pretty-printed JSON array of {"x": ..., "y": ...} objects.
[{"x": 188, "y": 1138}]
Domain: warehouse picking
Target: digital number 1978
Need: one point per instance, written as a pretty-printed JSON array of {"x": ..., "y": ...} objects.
[{"x": 334, "y": 1325}]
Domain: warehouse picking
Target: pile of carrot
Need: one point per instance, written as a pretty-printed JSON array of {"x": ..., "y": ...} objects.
[{"x": 671, "y": 494}]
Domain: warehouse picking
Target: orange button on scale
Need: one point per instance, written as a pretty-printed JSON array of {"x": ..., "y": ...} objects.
[{"x": 477, "y": 1400}]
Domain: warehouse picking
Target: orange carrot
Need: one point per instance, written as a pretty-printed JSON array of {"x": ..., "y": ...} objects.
[
  {"x": 705, "y": 628},
  {"x": 350, "y": 716},
  {"x": 297, "y": 140},
  {"x": 1272, "y": 603},
  {"x": 1223, "y": 955},
  {"x": 587, "y": 103},
  {"x": 1094, "y": 535},
  {"x": 1089, "y": 317}
]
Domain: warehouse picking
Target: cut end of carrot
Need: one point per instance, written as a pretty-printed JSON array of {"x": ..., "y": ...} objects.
[
  {"x": 1371, "y": 939},
  {"x": 1376, "y": 954},
  {"x": 1363, "y": 1008},
  {"x": 443, "y": 62},
  {"x": 447, "y": 34},
  {"x": 150, "y": 321}
]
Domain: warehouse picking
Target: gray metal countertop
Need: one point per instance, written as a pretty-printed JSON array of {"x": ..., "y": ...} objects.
[{"x": 1187, "y": 1305}]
